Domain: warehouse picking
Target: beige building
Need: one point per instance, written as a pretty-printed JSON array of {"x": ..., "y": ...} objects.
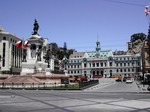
[
  {"x": 145, "y": 58},
  {"x": 10, "y": 55}
]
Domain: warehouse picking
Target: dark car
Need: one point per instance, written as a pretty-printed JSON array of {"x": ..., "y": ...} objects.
[
  {"x": 118, "y": 80},
  {"x": 124, "y": 79},
  {"x": 148, "y": 88}
]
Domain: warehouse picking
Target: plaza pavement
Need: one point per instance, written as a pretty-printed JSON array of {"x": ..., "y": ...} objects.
[
  {"x": 72, "y": 101},
  {"x": 107, "y": 96}
]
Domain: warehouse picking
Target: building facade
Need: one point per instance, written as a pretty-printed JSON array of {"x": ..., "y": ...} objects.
[
  {"x": 74, "y": 64},
  {"x": 10, "y": 55},
  {"x": 103, "y": 63}
]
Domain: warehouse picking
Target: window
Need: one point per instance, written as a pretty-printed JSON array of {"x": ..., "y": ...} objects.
[
  {"x": 97, "y": 64},
  {"x": 138, "y": 63},
  {"x": 101, "y": 64},
  {"x": 105, "y": 64},
  {"x": 4, "y": 48},
  {"x": 93, "y": 64},
  {"x": 120, "y": 64},
  {"x": 120, "y": 70},
  {"x": 110, "y": 63},
  {"x": 85, "y": 65},
  {"x": 124, "y": 64},
  {"x": 124, "y": 70},
  {"x": 4, "y": 38},
  {"x": 128, "y": 64},
  {"x": 117, "y": 64},
  {"x": 128, "y": 70},
  {"x": 117, "y": 70}
]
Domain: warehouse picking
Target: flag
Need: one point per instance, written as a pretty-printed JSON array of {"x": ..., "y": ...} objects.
[
  {"x": 147, "y": 11},
  {"x": 25, "y": 44},
  {"x": 19, "y": 44}
]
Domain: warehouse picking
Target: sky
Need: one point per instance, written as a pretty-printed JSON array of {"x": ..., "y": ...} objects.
[{"x": 79, "y": 23}]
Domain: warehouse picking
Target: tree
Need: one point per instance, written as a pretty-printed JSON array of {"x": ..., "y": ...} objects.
[{"x": 138, "y": 36}]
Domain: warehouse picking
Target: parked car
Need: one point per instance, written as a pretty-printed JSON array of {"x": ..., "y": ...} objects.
[
  {"x": 118, "y": 80},
  {"x": 148, "y": 88},
  {"x": 129, "y": 80},
  {"x": 124, "y": 79}
]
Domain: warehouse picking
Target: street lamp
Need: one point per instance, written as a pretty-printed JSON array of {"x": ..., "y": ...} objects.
[{"x": 65, "y": 62}]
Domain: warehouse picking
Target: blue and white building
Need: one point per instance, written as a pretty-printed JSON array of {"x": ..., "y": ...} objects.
[{"x": 103, "y": 63}]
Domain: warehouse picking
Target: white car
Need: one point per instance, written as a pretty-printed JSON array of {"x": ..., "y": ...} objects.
[{"x": 129, "y": 80}]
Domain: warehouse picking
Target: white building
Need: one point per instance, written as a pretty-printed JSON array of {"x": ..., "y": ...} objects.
[{"x": 10, "y": 55}]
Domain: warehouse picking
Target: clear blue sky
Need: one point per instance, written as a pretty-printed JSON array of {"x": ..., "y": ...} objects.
[{"x": 77, "y": 22}]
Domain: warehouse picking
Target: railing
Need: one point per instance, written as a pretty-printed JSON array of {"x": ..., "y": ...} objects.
[
  {"x": 50, "y": 86},
  {"x": 87, "y": 84}
]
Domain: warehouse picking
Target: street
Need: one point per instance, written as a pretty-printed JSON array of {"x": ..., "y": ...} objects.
[
  {"x": 99, "y": 99},
  {"x": 110, "y": 85}
]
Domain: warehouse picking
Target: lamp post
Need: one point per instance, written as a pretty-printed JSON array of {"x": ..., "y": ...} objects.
[
  {"x": 47, "y": 60},
  {"x": 65, "y": 62}
]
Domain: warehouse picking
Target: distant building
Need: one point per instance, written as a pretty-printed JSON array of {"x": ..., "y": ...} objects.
[
  {"x": 52, "y": 46},
  {"x": 74, "y": 65},
  {"x": 103, "y": 63},
  {"x": 10, "y": 55},
  {"x": 145, "y": 56},
  {"x": 127, "y": 65}
]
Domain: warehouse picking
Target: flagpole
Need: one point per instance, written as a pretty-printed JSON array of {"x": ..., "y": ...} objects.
[{"x": 22, "y": 50}]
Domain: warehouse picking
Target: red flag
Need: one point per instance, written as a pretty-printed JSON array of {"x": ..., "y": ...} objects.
[
  {"x": 25, "y": 44},
  {"x": 19, "y": 44}
]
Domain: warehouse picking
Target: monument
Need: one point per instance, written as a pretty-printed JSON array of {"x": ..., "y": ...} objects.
[{"x": 33, "y": 56}]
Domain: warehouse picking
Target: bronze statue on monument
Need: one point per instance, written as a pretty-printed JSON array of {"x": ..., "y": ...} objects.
[
  {"x": 48, "y": 57},
  {"x": 24, "y": 55},
  {"x": 39, "y": 55},
  {"x": 36, "y": 27}
]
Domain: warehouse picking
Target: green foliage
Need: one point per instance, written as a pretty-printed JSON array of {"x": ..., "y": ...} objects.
[
  {"x": 138, "y": 36},
  {"x": 60, "y": 54}
]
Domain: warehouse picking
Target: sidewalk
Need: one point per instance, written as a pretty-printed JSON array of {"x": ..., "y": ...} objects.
[
  {"x": 103, "y": 82},
  {"x": 142, "y": 87}
]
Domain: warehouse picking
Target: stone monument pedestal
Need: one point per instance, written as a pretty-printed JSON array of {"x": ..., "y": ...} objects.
[
  {"x": 48, "y": 71},
  {"x": 33, "y": 56},
  {"x": 28, "y": 68}
]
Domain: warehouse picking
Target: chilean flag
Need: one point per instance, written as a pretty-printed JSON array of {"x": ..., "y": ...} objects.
[
  {"x": 19, "y": 44},
  {"x": 25, "y": 44},
  {"x": 147, "y": 11}
]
